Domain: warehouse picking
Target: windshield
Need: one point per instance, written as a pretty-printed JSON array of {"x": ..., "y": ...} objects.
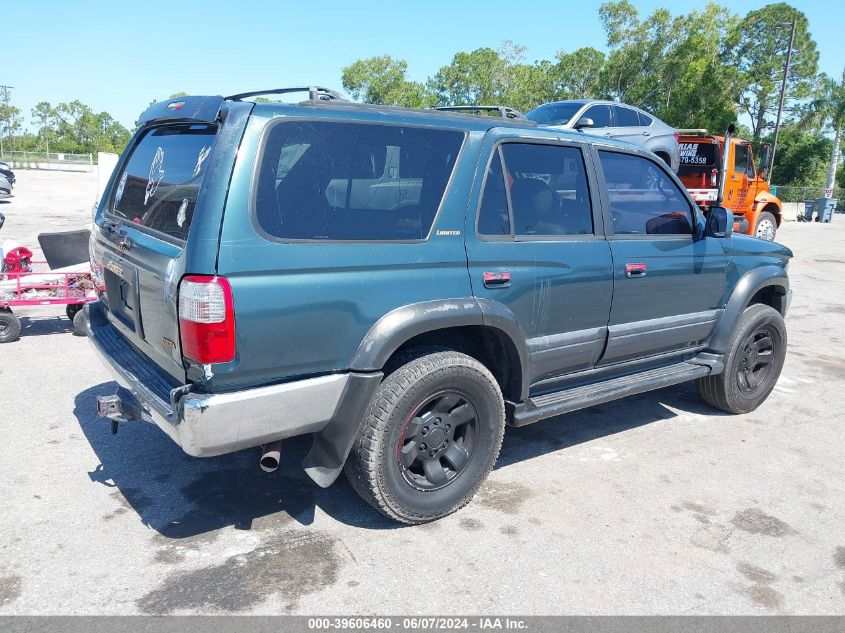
[{"x": 554, "y": 113}]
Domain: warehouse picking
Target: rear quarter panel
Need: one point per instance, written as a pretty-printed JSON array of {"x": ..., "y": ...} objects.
[{"x": 303, "y": 308}]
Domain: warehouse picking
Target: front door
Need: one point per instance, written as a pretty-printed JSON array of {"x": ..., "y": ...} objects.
[
  {"x": 668, "y": 285},
  {"x": 535, "y": 245}
]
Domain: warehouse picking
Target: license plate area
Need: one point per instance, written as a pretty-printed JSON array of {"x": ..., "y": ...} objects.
[{"x": 121, "y": 281}]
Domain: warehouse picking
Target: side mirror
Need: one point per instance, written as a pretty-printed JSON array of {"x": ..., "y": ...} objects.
[
  {"x": 765, "y": 157},
  {"x": 720, "y": 222},
  {"x": 2, "y": 219},
  {"x": 583, "y": 122}
]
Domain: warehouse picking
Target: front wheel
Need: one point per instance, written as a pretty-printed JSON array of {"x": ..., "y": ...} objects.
[
  {"x": 766, "y": 227},
  {"x": 756, "y": 352},
  {"x": 429, "y": 438}
]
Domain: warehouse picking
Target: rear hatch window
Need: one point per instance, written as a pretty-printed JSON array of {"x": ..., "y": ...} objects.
[
  {"x": 697, "y": 157},
  {"x": 323, "y": 180},
  {"x": 159, "y": 184}
]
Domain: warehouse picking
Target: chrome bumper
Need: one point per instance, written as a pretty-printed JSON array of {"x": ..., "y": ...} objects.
[{"x": 205, "y": 425}]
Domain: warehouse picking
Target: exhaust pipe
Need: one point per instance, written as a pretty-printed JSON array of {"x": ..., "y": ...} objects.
[{"x": 271, "y": 456}]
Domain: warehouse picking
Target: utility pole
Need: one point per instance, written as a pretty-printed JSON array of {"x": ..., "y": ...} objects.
[
  {"x": 5, "y": 91},
  {"x": 782, "y": 99}
]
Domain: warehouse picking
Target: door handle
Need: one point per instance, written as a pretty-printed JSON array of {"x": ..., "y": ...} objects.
[
  {"x": 646, "y": 133},
  {"x": 497, "y": 280},
  {"x": 635, "y": 270}
]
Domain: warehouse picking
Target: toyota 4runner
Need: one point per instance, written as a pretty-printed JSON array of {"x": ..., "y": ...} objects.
[{"x": 401, "y": 284}]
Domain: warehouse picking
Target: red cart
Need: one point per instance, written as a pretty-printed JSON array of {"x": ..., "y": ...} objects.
[
  {"x": 24, "y": 282},
  {"x": 42, "y": 286}
]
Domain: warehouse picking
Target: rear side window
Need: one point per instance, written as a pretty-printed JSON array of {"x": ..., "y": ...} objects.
[
  {"x": 158, "y": 187},
  {"x": 323, "y": 180},
  {"x": 548, "y": 191},
  {"x": 645, "y": 120},
  {"x": 626, "y": 117},
  {"x": 643, "y": 199}
]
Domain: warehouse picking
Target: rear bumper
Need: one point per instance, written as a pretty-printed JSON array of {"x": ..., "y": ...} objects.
[{"x": 205, "y": 425}]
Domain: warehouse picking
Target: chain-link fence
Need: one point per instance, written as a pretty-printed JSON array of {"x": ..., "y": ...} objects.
[
  {"x": 52, "y": 160},
  {"x": 799, "y": 194}
]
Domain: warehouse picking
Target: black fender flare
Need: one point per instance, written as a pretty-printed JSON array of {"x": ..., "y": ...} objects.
[
  {"x": 331, "y": 446},
  {"x": 749, "y": 285},
  {"x": 400, "y": 325}
]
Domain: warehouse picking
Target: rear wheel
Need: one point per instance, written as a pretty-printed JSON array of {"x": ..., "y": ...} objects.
[
  {"x": 753, "y": 363},
  {"x": 766, "y": 227},
  {"x": 429, "y": 438},
  {"x": 10, "y": 326}
]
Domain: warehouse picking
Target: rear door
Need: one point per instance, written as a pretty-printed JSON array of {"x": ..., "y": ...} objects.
[
  {"x": 535, "y": 244},
  {"x": 667, "y": 285},
  {"x": 626, "y": 126},
  {"x": 143, "y": 232}
]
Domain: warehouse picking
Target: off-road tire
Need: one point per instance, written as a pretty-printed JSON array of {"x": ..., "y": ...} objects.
[
  {"x": 10, "y": 327},
  {"x": 723, "y": 391},
  {"x": 373, "y": 468}
]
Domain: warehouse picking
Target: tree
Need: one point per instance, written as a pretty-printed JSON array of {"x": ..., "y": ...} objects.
[
  {"x": 802, "y": 157},
  {"x": 759, "y": 46},
  {"x": 475, "y": 78},
  {"x": 827, "y": 110},
  {"x": 382, "y": 80},
  {"x": 577, "y": 75},
  {"x": 675, "y": 67}
]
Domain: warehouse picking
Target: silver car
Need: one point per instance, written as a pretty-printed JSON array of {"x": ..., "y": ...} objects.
[{"x": 608, "y": 118}]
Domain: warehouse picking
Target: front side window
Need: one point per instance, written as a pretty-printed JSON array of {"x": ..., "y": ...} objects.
[
  {"x": 741, "y": 159},
  {"x": 600, "y": 114},
  {"x": 158, "y": 187},
  {"x": 321, "y": 180},
  {"x": 643, "y": 199},
  {"x": 548, "y": 191}
]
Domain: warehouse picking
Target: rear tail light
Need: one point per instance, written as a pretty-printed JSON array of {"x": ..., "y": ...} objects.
[
  {"x": 677, "y": 136},
  {"x": 206, "y": 319},
  {"x": 714, "y": 178}
]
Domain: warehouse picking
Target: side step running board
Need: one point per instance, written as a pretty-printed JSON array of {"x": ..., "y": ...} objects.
[{"x": 556, "y": 403}]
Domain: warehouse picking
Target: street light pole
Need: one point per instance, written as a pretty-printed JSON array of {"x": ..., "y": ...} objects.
[{"x": 782, "y": 99}]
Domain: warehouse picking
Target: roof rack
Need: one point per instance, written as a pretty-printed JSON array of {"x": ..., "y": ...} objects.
[
  {"x": 315, "y": 93},
  {"x": 504, "y": 111}
]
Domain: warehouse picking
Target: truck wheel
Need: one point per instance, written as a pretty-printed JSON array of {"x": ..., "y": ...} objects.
[
  {"x": 80, "y": 323},
  {"x": 756, "y": 352},
  {"x": 72, "y": 309},
  {"x": 429, "y": 438},
  {"x": 766, "y": 227},
  {"x": 10, "y": 326}
]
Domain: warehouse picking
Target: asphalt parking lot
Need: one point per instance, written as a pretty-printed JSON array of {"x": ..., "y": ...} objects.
[{"x": 652, "y": 505}]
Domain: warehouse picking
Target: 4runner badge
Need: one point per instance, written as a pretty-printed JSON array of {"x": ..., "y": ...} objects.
[
  {"x": 450, "y": 233},
  {"x": 117, "y": 270}
]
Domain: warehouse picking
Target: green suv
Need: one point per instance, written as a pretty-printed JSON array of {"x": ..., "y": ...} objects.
[{"x": 400, "y": 284}]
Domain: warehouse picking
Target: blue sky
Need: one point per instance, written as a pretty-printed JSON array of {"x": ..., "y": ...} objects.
[{"x": 118, "y": 56}]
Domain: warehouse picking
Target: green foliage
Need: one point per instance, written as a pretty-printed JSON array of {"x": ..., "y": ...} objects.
[
  {"x": 577, "y": 75},
  {"x": 758, "y": 50},
  {"x": 382, "y": 80},
  {"x": 673, "y": 67},
  {"x": 802, "y": 158}
]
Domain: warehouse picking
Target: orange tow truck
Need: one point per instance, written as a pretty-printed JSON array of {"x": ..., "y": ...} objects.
[{"x": 757, "y": 211}]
